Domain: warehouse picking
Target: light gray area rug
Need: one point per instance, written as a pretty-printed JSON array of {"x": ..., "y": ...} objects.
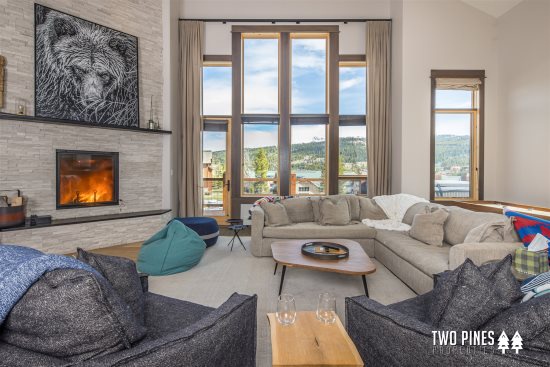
[{"x": 221, "y": 272}]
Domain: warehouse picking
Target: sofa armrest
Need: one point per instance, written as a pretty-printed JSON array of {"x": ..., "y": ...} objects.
[
  {"x": 257, "y": 230},
  {"x": 225, "y": 337},
  {"x": 480, "y": 253}
]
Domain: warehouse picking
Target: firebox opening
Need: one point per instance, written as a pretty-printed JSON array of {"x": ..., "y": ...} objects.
[{"x": 86, "y": 178}]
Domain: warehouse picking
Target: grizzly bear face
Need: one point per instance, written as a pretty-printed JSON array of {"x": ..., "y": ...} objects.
[{"x": 84, "y": 71}]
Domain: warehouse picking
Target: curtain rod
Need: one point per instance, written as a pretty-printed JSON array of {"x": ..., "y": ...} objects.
[{"x": 297, "y": 21}]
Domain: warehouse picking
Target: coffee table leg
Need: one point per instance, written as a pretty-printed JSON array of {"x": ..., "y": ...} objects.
[
  {"x": 282, "y": 279},
  {"x": 365, "y": 285},
  {"x": 275, "y": 271}
]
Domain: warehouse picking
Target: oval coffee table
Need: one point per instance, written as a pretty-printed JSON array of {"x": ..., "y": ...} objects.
[{"x": 288, "y": 253}]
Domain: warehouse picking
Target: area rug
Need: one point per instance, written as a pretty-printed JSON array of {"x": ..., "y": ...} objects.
[{"x": 222, "y": 272}]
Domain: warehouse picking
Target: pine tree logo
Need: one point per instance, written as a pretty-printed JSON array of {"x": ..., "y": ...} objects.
[
  {"x": 503, "y": 342},
  {"x": 517, "y": 342}
]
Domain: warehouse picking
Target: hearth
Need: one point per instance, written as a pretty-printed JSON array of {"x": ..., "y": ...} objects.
[{"x": 86, "y": 178}]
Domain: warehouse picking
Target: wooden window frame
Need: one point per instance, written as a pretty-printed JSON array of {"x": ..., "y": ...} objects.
[{"x": 477, "y": 131}]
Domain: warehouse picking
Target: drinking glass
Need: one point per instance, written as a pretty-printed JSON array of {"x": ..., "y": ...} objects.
[
  {"x": 326, "y": 308},
  {"x": 286, "y": 309}
]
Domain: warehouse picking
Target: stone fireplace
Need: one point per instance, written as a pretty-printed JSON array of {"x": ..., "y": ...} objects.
[{"x": 86, "y": 178}]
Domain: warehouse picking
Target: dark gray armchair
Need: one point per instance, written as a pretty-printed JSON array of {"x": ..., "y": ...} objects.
[
  {"x": 179, "y": 333},
  {"x": 398, "y": 335}
]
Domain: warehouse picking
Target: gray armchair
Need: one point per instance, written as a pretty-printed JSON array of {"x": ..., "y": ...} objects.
[
  {"x": 398, "y": 335},
  {"x": 179, "y": 333}
]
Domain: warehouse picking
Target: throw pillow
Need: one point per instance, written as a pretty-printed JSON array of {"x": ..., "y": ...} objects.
[
  {"x": 315, "y": 202},
  {"x": 428, "y": 227},
  {"x": 465, "y": 300},
  {"x": 335, "y": 214},
  {"x": 370, "y": 210},
  {"x": 123, "y": 276},
  {"x": 275, "y": 214},
  {"x": 73, "y": 315},
  {"x": 299, "y": 210},
  {"x": 531, "y": 319},
  {"x": 354, "y": 207},
  {"x": 500, "y": 274}
]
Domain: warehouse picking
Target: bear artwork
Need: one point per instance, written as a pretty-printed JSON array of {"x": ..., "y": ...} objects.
[{"x": 84, "y": 72}]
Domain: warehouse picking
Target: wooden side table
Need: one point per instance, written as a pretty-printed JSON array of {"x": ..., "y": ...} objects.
[{"x": 309, "y": 342}]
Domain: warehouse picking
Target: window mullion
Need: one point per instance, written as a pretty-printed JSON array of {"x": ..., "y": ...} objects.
[{"x": 284, "y": 111}]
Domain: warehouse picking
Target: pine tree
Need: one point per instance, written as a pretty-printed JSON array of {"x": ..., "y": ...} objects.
[
  {"x": 517, "y": 342},
  {"x": 503, "y": 342},
  {"x": 261, "y": 166}
]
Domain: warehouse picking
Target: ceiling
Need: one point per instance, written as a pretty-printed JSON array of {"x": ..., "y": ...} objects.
[{"x": 494, "y": 8}]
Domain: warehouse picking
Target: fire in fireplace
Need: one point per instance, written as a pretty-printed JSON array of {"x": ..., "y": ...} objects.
[{"x": 86, "y": 178}]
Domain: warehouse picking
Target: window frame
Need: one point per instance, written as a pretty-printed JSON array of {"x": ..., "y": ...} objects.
[
  {"x": 353, "y": 120},
  {"x": 477, "y": 117}
]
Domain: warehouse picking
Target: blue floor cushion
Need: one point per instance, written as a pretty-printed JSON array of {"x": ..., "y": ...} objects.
[
  {"x": 174, "y": 249},
  {"x": 206, "y": 228}
]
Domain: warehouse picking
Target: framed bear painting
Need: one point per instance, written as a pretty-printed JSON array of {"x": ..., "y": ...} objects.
[{"x": 84, "y": 72}]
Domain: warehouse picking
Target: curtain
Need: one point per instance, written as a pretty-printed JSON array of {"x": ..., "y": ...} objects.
[
  {"x": 470, "y": 84},
  {"x": 188, "y": 164},
  {"x": 378, "y": 52}
]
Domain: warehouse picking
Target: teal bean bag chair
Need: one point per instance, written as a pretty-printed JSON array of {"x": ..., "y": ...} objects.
[{"x": 174, "y": 249}]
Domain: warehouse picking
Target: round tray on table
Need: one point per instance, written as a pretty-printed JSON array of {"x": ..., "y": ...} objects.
[{"x": 325, "y": 250}]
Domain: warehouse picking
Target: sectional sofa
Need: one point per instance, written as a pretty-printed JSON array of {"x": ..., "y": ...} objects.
[{"x": 414, "y": 262}]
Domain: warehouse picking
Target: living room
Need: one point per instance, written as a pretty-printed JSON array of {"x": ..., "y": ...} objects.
[{"x": 274, "y": 182}]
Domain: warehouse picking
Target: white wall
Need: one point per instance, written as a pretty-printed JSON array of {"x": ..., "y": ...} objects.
[
  {"x": 524, "y": 103},
  {"x": 443, "y": 35}
]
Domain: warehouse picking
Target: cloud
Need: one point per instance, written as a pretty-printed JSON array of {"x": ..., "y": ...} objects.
[
  {"x": 350, "y": 83},
  {"x": 307, "y": 133},
  {"x": 256, "y": 136}
]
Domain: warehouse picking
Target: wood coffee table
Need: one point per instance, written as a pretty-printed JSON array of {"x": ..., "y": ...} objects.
[
  {"x": 309, "y": 342},
  {"x": 288, "y": 253}
]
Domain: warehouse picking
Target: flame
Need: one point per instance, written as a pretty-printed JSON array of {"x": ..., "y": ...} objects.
[{"x": 85, "y": 181}]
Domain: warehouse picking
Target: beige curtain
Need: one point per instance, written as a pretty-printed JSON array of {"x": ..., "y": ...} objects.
[
  {"x": 187, "y": 133},
  {"x": 378, "y": 52}
]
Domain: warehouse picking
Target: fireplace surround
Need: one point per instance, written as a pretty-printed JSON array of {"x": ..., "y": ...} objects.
[{"x": 86, "y": 179}]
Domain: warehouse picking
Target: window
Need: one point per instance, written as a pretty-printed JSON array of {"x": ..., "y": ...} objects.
[
  {"x": 308, "y": 159},
  {"x": 261, "y": 74},
  {"x": 216, "y": 90},
  {"x": 352, "y": 168},
  {"x": 215, "y": 168},
  {"x": 456, "y": 142},
  {"x": 309, "y": 75},
  {"x": 260, "y": 159}
]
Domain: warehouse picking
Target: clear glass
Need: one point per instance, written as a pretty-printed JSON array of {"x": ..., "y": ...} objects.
[
  {"x": 214, "y": 166},
  {"x": 260, "y": 159},
  {"x": 309, "y": 75},
  {"x": 261, "y": 75},
  {"x": 355, "y": 186},
  {"x": 308, "y": 159},
  {"x": 353, "y": 90},
  {"x": 326, "y": 308},
  {"x": 216, "y": 90},
  {"x": 286, "y": 309},
  {"x": 353, "y": 151},
  {"x": 453, "y": 145},
  {"x": 453, "y": 99}
]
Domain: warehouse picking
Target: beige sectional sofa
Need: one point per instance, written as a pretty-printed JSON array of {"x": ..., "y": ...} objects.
[{"x": 414, "y": 262}]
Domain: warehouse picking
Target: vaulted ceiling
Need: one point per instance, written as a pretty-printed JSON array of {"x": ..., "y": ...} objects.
[{"x": 495, "y": 8}]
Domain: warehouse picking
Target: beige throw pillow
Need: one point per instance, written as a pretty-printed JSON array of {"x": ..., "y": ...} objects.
[
  {"x": 334, "y": 214},
  {"x": 299, "y": 210},
  {"x": 275, "y": 214},
  {"x": 370, "y": 210},
  {"x": 428, "y": 227}
]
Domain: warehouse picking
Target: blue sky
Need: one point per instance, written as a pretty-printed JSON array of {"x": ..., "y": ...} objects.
[
  {"x": 216, "y": 94},
  {"x": 453, "y": 124}
]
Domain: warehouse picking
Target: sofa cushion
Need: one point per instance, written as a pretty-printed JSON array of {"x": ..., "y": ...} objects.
[
  {"x": 465, "y": 300},
  {"x": 275, "y": 214},
  {"x": 428, "y": 227},
  {"x": 316, "y": 230},
  {"x": 368, "y": 209},
  {"x": 334, "y": 213},
  {"x": 71, "y": 314},
  {"x": 182, "y": 314},
  {"x": 299, "y": 210},
  {"x": 531, "y": 319},
  {"x": 462, "y": 221},
  {"x": 418, "y": 208},
  {"x": 428, "y": 259},
  {"x": 123, "y": 276}
]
